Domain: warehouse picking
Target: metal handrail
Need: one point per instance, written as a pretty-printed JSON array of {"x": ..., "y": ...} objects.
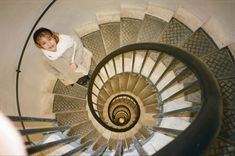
[
  {"x": 20, "y": 62},
  {"x": 197, "y": 136},
  {"x": 45, "y": 146},
  {"x": 31, "y": 119}
]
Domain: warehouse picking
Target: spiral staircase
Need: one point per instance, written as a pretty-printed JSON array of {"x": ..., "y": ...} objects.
[{"x": 160, "y": 85}]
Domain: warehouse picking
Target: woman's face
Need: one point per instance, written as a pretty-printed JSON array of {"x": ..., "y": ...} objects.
[{"x": 47, "y": 42}]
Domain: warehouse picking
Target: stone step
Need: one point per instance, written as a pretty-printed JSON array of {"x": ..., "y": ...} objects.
[
  {"x": 156, "y": 143},
  {"x": 141, "y": 83},
  {"x": 167, "y": 79},
  {"x": 138, "y": 61},
  {"x": 71, "y": 118},
  {"x": 228, "y": 126},
  {"x": 78, "y": 150},
  {"x": 150, "y": 29},
  {"x": 128, "y": 59},
  {"x": 76, "y": 90},
  {"x": 112, "y": 143},
  {"x": 188, "y": 19},
  {"x": 155, "y": 20},
  {"x": 92, "y": 134},
  {"x": 130, "y": 24},
  {"x": 148, "y": 119},
  {"x": 103, "y": 96},
  {"x": 177, "y": 76},
  {"x": 109, "y": 25},
  {"x": 174, "y": 123},
  {"x": 138, "y": 146},
  {"x": 147, "y": 91},
  {"x": 178, "y": 90},
  {"x": 166, "y": 131},
  {"x": 174, "y": 33},
  {"x": 99, "y": 142},
  {"x": 148, "y": 66},
  {"x": 145, "y": 132},
  {"x": 176, "y": 104},
  {"x": 152, "y": 109},
  {"x": 100, "y": 150},
  {"x": 176, "y": 72},
  {"x": 118, "y": 149},
  {"x": 118, "y": 61},
  {"x": 59, "y": 149},
  {"x": 194, "y": 96},
  {"x": 128, "y": 142},
  {"x": 81, "y": 128},
  {"x": 150, "y": 100},
  {"x": 139, "y": 136},
  {"x": 63, "y": 104},
  {"x": 108, "y": 88},
  {"x": 157, "y": 72},
  {"x": 92, "y": 39},
  {"x": 220, "y": 63},
  {"x": 199, "y": 44},
  {"x": 98, "y": 82},
  {"x": 110, "y": 67},
  {"x": 103, "y": 74},
  {"x": 115, "y": 83},
  {"x": 123, "y": 81},
  {"x": 132, "y": 82},
  {"x": 171, "y": 91},
  {"x": 220, "y": 147}
]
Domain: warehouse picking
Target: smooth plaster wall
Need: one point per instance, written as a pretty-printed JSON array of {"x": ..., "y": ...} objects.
[
  {"x": 18, "y": 16},
  {"x": 16, "y": 19}
]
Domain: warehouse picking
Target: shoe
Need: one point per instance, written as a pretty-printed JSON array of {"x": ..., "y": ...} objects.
[{"x": 83, "y": 80}]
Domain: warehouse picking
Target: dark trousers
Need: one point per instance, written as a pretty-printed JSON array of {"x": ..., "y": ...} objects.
[{"x": 83, "y": 80}]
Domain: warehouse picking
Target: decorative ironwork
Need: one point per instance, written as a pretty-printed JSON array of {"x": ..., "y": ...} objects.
[{"x": 210, "y": 117}]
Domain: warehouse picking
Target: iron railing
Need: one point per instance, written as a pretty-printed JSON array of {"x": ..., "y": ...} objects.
[
  {"x": 195, "y": 138},
  {"x": 18, "y": 70}
]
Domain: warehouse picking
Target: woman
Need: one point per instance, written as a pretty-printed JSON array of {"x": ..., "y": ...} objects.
[{"x": 67, "y": 59}]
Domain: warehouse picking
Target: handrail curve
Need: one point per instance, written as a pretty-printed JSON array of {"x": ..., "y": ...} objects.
[
  {"x": 205, "y": 127},
  {"x": 21, "y": 59}
]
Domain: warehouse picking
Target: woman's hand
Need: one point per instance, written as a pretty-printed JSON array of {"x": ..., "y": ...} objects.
[{"x": 73, "y": 66}]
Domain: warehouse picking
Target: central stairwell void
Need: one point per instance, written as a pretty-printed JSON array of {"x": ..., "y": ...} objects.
[{"x": 158, "y": 86}]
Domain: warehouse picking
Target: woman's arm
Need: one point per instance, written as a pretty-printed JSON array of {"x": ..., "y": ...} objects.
[
  {"x": 84, "y": 61},
  {"x": 77, "y": 48}
]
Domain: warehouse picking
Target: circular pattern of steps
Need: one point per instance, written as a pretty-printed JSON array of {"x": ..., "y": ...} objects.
[{"x": 171, "y": 87}]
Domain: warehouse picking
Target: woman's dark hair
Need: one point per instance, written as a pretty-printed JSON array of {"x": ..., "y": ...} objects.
[
  {"x": 42, "y": 32},
  {"x": 39, "y": 32}
]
